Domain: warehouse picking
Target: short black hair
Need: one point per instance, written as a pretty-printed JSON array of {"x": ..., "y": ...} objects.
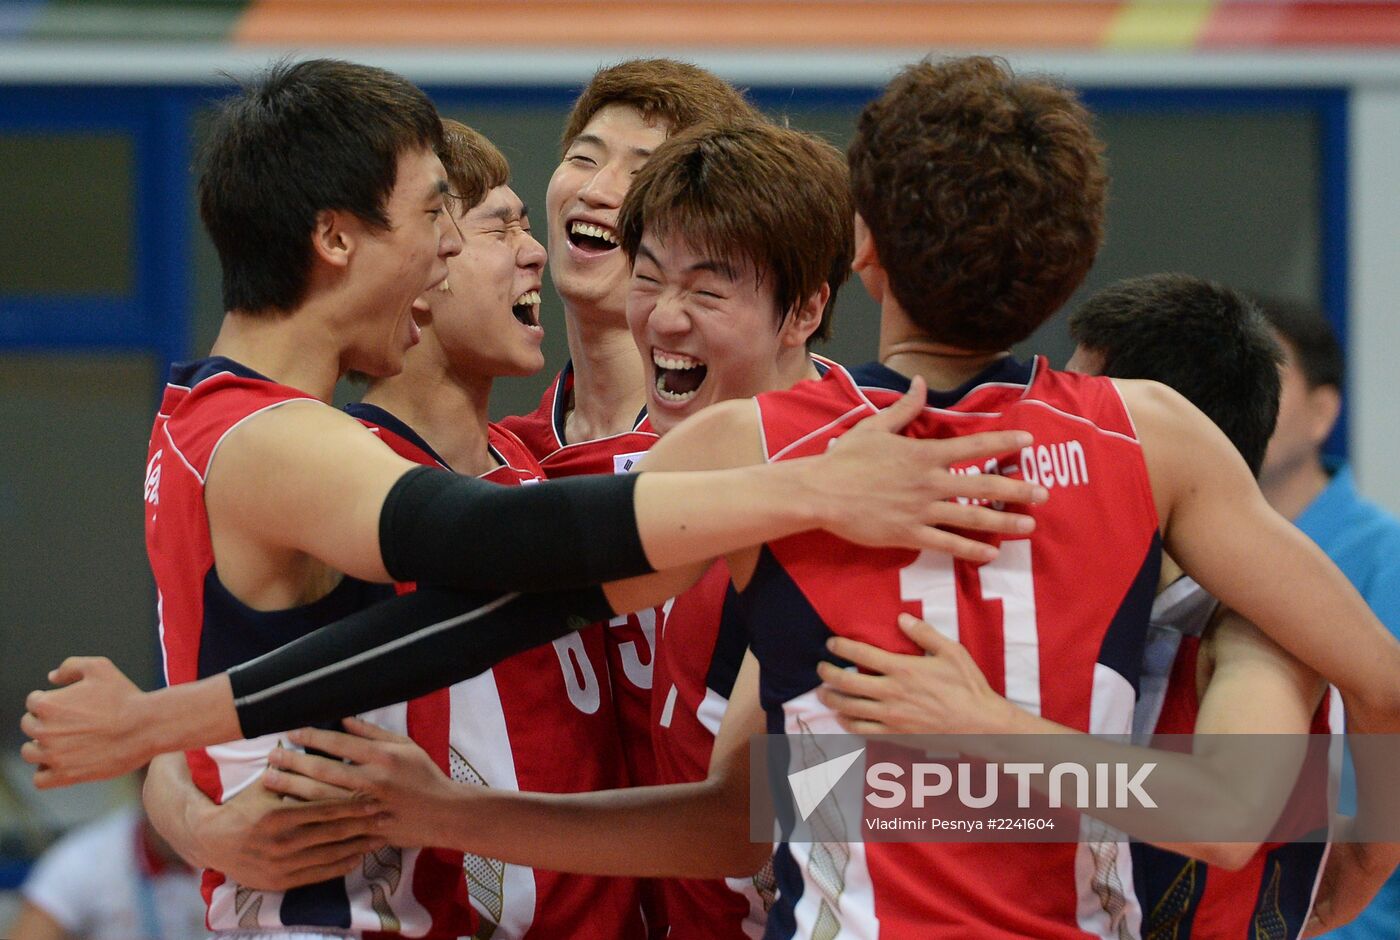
[
  {"x": 299, "y": 139},
  {"x": 1310, "y": 338},
  {"x": 1206, "y": 341}
]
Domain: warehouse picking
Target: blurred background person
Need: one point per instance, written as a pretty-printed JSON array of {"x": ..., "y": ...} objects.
[{"x": 112, "y": 879}]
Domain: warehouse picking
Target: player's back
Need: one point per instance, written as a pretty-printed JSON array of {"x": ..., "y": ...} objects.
[{"x": 1056, "y": 622}]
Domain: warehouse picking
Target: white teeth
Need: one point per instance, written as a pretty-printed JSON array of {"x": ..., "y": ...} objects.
[
  {"x": 668, "y": 395},
  {"x": 529, "y": 298},
  {"x": 664, "y": 361},
  {"x": 593, "y": 231}
]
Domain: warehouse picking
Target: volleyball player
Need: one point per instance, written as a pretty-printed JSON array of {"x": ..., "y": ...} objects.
[{"x": 980, "y": 200}]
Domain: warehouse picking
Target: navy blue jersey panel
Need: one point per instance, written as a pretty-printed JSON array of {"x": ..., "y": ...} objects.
[
  {"x": 234, "y": 633},
  {"x": 1123, "y": 642}
]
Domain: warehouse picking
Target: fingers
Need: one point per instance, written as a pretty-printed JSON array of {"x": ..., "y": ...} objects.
[
  {"x": 926, "y": 636},
  {"x": 862, "y": 654},
  {"x": 896, "y": 416},
  {"x": 852, "y": 707},
  {"x": 345, "y": 776},
  {"x": 30, "y": 724},
  {"x": 978, "y": 518},
  {"x": 364, "y": 729},
  {"x": 75, "y": 667},
  {"x": 315, "y": 792},
  {"x": 323, "y": 840},
  {"x": 850, "y": 682},
  {"x": 863, "y": 727},
  {"x": 924, "y": 538},
  {"x": 969, "y": 447},
  {"x": 33, "y": 753},
  {"x": 349, "y": 746}
]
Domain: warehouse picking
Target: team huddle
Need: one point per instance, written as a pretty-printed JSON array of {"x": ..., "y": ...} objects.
[{"x": 553, "y": 686}]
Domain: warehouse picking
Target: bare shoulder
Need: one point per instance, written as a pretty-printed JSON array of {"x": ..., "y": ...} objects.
[
  {"x": 299, "y": 434},
  {"x": 724, "y": 435}
]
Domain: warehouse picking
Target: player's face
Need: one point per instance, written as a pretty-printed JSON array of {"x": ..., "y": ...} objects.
[
  {"x": 588, "y": 268},
  {"x": 486, "y": 314},
  {"x": 394, "y": 267},
  {"x": 707, "y": 332},
  {"x": 1304, "y": 421}
]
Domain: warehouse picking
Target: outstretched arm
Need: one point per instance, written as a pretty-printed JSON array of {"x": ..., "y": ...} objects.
[
  {"x": 304, "y": 478},
  {"x": 695, "y": 830}
]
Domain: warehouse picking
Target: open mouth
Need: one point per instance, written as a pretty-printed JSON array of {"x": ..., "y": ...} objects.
[
  {"x": 526, "y": 309},
  {"x": 592, "y": 237},
  {"x": 678, "y": 377}
]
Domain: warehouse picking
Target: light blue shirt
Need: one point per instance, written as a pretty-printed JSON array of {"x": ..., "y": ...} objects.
[{"x": 1364, "y": 541}]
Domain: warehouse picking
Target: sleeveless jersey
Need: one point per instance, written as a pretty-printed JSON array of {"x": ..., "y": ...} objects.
[
  {"x": 1056, "y": 623},
  {"x": 541, "y": 720},
  {"x": 631, "y": 638},
  {"x": 1272, "y": 895},
  {"x": 698, "y": 654},
  {"x": 204, "y": 630}
]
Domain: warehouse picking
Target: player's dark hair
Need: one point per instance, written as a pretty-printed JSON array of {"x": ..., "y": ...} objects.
[
  {"x": 1206, "y": 341},
  {"x": 767, "y": 199},
  {"x": 299, "y": 139},
  {"x": 984, "y": 192},
  {"x": 1309, "y": 338},
  {"x": 677, "y": 93},
  {"x": 474, "y": 165}
]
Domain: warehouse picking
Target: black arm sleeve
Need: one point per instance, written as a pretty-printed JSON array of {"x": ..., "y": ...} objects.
[
  {"x": 440, "y": 528},
  {"x": 397, "y": 650}
]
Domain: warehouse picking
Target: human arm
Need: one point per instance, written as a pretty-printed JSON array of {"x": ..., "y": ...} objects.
[
  {"x": 259, "y": 839},
  {"x": 303, "y": 479},
  {"x": 1218, "y": 527},
  {"x": 1289, "y": 588},
  {"x": 100, "y": 724},
  {"x": 35, "y": 923},
  {"x": 1351, "y": 877},
  {"x": 916, "y": 513},
  {"x": 695, "y": 830},
  {"x": 944, "y": 692}
]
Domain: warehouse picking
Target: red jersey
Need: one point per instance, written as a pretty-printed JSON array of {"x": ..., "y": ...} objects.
[
  {"x": 1272, "y": 895},
  {"x": 1056, "y": 623},
  {"x": 542, "y": 721},
  {"x": 204, "y": 630},
  {"x": 631, "y": 638}
]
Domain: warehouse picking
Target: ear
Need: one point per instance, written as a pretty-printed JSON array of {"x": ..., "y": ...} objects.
[
  {"x": 865, "y": 256},
  {"x": 1324, "y": 407},
  {"x": 805, "y": 319},
  {"x": 332, "y": 238}
]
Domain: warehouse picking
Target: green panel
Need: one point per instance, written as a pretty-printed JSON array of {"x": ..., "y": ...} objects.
[
  {"x": 68, "y": 214},
  {"x": 73, "y": 578}
]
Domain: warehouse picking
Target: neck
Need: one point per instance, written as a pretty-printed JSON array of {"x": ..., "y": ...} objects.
[
  {"x": 1293, "y": 491},
  {"x": 943, "y": 367},
  {"x": 294, "y": 349},
  {"x": 452, "y": 418},
  {"x": 609, "y": 380}
]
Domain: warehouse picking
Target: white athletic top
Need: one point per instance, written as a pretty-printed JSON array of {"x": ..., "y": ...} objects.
[{"x": 97, "y": 883}]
